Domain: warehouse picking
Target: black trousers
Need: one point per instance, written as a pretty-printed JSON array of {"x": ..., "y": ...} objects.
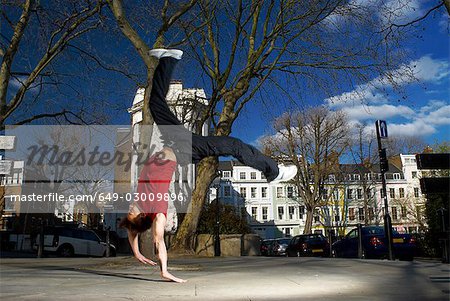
[{"x": 179, "y": 138}]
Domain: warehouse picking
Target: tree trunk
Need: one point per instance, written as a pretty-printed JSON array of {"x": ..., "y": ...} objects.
[
  {"x": 309, "y": 220},
  {"x": 185, "y": 237}
]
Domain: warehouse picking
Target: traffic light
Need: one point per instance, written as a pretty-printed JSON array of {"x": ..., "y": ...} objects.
[{"x": 384, "y": 165}]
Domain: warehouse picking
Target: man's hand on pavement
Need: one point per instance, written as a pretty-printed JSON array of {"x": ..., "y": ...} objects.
[{"x": 144, "y": 260}]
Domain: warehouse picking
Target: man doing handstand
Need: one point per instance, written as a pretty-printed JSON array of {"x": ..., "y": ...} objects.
[{"x": 157, "y": 173}]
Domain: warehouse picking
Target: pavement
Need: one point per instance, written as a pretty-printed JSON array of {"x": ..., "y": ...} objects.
[{"x": 224, "y": 278}]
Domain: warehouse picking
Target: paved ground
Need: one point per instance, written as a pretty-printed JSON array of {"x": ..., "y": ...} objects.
[{"x": 241, "y": 278}]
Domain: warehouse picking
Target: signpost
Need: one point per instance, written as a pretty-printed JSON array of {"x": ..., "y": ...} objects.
[{"x": 382, "y": 133}]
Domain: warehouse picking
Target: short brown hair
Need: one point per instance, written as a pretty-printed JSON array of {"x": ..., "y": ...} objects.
[{"x": 140, "y": 224}]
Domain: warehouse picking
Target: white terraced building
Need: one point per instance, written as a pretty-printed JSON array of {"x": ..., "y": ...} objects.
[{"x": 276, "y": 210}]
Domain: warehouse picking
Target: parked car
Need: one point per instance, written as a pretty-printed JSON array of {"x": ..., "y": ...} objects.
[
  {"x": 279, "y": 246},
  {"x": 266, "y": 248},
  {"x": 67, "y": 242},
  {"x": 374, "y": 244},
  {"x": 308, "y": 245}
]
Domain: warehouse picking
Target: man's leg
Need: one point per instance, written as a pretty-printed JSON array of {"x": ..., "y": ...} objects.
[
  {"x": 158, "y": 237},
  {"x": 229, "y": 146},
  {"x": 159, "y": 109}
]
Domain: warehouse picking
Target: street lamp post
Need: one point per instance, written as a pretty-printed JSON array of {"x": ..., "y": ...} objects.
[
  {"x": 384, "y": 166},
  {"x": 217, "y": 226}
]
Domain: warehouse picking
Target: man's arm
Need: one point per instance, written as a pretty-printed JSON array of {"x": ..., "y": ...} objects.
[{"x": 134, "y": 243}]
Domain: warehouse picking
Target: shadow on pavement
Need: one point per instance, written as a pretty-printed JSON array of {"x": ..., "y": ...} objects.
[{"x": 95, "y": 272}]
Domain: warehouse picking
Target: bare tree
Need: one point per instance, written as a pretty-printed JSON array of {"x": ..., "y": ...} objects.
[
  {"x": 411, "y": 209},
  {"x": 169, "y": 15},
  {"x": 363, "y": 154},
  {"x": 405, "y": 145},
  {"x": 242, "y": 46},
  {"x": 313, "y": 140},
  {"x": 56, "y": 27}
]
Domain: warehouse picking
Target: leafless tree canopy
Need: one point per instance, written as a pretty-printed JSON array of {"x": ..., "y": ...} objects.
[{"x": 313, "y": 140}]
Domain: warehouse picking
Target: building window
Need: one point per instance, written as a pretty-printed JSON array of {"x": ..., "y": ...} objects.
[
  {"x": 324, "y": 194},
  {"x": 253, "y": 175},
  {"x": 243, "y": 192},
  {"x": 227, "y": 191},
  {"x": 290, "y": 191},
  {"x": 287, "y": 232},
  {"x": 382, "y": 193},
  {"x": 291, "y": 212},
  {"x": 316, "y": 216},
  {"x": 351, "y": 214},
  {"x": 357, "y": 177},
  {"x": 301, "y": 212},
  {"x": 414, "y": 174},
  {"x": 401, "y": 192},
  {"x": 397, "y": 176},
  {"x": 359, "y": 193},
  {"x": 416, "y": 192},
  {"x": 242, "y": 175},
  {"x": 394, "y": 213},
  {"x": 349, "y": 193},
  {"x": 404, "y": 212},
  {"x": 254, "y": 213},
  {"x": 392, "y": 193},
  {"x": 264, "y": 213},
  {"x": 9, "y": 202},
  {"x": 361, "y": 214},
  {"x": 226, "y": 174},
  {"x": 16, "y": 178},
  {"x": 280, "y": 212},
  {"x": 253, "y": 192},
  {"x": 337, "y": 217},
  {"x": 263, "y": 192},
  {"x": 279, "y": 192}
]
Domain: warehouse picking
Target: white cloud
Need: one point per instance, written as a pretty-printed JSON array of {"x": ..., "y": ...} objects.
[
  {"x": 385, "y": 111},
  {"x": 423, "y": 121},
  {"x": 433, "y": 104},
  {"x": 440, "y": 116},
  {"x": 385, "y": 12},
  {"x": 400, "y": 11},
  {"x": 418, "y": 127},
  {"x": 425, "y": 69},
  {"x": 16, "y": 83}
]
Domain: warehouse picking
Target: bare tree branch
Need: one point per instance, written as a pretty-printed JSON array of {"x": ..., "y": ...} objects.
[{"x": 53, "y": 51}]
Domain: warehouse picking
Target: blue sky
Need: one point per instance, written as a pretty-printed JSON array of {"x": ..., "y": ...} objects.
[{"x": 421, "y": 109}]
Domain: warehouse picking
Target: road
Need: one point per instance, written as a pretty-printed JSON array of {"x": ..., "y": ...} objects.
[{"x": 235, "y": 278}]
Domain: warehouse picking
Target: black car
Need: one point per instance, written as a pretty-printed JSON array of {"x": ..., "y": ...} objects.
[
  {"x": 266, "y": 248},
  {"x": 374, "y": 244},
  {"x": 279, "y": 246},
  {"x": 308, "y": 245}
]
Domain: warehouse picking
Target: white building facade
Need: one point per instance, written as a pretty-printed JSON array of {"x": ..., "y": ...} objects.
[{"x": 274, "y": 211}]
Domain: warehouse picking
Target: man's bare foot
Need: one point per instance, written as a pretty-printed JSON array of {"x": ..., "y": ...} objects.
[{"x": 171, "y": 277}]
